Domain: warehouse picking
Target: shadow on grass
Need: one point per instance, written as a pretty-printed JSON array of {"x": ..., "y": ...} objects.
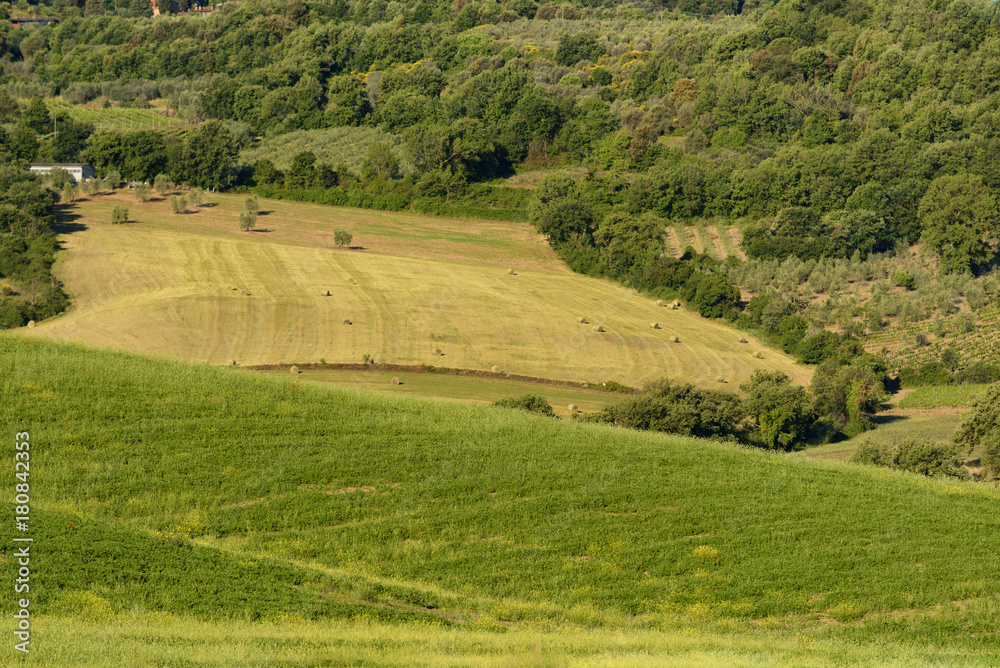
[
  {"x": 65, "y": 222},
  {"x": 888, "y": 419}
]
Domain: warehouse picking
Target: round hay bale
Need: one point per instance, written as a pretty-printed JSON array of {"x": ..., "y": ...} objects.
[
  {"x": 674, "y": 339},
  {"x": 743, "y": 340},
  {"x": 511, "y": 272},
  {"x": 759, "y": 355},
  {"x": 598, "y": 328},
  {"x": 326, "y": 293},
  {"x": 721, "y": 380},
  {"x": 234, "y": 362},
  {"x": 347, "y": 322},
  {"x": 660, "y": 302},
  {"x": 495, "y": 369},
  {"x": 294, "y": 370},
  {"x": 573, "y": 408},
  {"x": 31, "y": 323},
  {"x": 582, "y": 320},
  {"x": 437, "y": 351},
  {"x": 654, "y": 325},
  {"x": 395, "y": 381}
]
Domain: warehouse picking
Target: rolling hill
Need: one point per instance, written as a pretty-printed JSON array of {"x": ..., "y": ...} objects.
[{"x": 192, "y": 514}]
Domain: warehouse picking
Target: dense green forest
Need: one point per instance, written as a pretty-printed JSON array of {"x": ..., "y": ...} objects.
[{"x": 832, "y": 134}]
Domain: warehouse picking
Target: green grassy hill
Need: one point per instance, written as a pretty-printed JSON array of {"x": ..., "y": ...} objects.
[{"x": 188, "y": 513}]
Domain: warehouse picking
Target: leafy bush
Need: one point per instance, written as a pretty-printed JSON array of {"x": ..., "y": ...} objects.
[
  {"x": 529, "y": 402},
  {"x": 178, "y": 204},
  {"x": 980, "y": 427},
  {"x": 930, "y": 458},
  {"x": 679, "y": 409},
  {"x": 119, "y": 214}
]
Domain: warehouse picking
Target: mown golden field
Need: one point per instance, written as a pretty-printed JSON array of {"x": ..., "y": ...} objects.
[{"x": 194, "y": 287}]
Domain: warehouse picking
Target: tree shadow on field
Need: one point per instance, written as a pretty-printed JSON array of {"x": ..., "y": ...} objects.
[
  {"x": 264, "y": 213},
  {"x": 262, "y": 230},
  {"x": 207, "y": 205},
  {"x": 888, "y": 419},
  {"x": 65, "y": 222}
]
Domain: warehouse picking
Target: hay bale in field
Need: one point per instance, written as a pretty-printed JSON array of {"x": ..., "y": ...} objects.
[
  {"x": 326, "y": 293},
  {"x": 660, "y": 302},
  {"x": 511, "y": 272},
  {"x": 31, "y": 323},
  {"x": 294, "y": 370},
  {"x": 598, "y": 328},
  {"x": 675, "y": 339},
  {"x": 347, "y": 322},
  {"x": 395, "y": 381},
  {"x": 582, "y": 320},
  {"x": 759, "y": 355},
  {"x": 743, "y": 340},
  {"x": 234, "y": 362},
  {"x": 495, "y": 369},
  {"x": 573, "y": 408},
  {"x": 675, "y": 305},
  {"x": 437, "y": 351},
  {"x": 721, "y": 380},
  {"x": 654, "y": 325}
]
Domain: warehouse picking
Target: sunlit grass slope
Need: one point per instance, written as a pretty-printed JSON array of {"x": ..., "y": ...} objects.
[
  {"x": 196, "y": 288},
  {"x": 302, "y": 503}
]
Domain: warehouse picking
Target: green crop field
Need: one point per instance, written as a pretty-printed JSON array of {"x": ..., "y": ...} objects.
[
  {"x": 415, "y": 290},
  {"x": 948, "y": 395},
  {"x": 118, "y": 118},
  {"x": 187, "y": 514}
]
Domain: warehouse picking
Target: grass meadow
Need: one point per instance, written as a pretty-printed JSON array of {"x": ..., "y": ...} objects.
[
  {"x": 468, "y": 388},
  {"x": 415, "y": 289},
  {"x": 202, "y": 514},
  {"x": 941, "y": 396}
]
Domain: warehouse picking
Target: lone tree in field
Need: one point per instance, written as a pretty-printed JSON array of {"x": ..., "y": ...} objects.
[
  {"x": 342, "y": 238},
  {"x": 178, "y": 204},
  {"x": 251, "y": 205},
  {"x": 162, "y": 183},
  {"x": 143, "y": 193},
  {"x": 113, "y": 180},
  {"x": 196, "y": 196},
  {"x": 119, "y": 215},
  {"x": 247, "y": 220}
]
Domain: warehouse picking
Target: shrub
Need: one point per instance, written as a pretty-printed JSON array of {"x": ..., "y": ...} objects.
[
  {"x": 196, "y": 196},
  {"x": 178, "y": 204},
  {"x": 929, "y": 458},
  {"x": 920, "y": 339},
  {"x": 529, "y": 402},
  {"x": 342, "y": 238},
  {"x": 678, "y": 409},
  {"x": 903, "y": 280},
  {"x": 119, "y": 214},
  {"x": 143, "y": 193}
]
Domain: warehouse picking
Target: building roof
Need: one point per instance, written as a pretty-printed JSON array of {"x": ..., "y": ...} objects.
[{"x": 60, "y": 164}]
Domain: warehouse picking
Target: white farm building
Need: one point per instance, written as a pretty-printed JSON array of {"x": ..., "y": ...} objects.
[{"x": 78, "y": 170}]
